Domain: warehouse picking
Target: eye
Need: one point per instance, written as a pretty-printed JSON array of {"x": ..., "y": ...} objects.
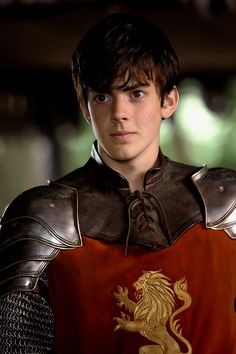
[
  {"x": 138, "y": 94},
  {"x": 101, "y": 98}
]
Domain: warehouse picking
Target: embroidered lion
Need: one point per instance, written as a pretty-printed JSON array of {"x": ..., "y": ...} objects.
[{"x": 155, "y": 307}]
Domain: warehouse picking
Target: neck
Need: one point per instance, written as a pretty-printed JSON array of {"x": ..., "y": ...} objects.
[
  {"x": 136, "y": 182},
  {"x": 132, "y": 170},
  {"x": 134, "y": 176}
]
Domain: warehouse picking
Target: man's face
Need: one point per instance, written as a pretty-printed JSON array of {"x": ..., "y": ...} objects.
[{"x": 126, "y": 123}]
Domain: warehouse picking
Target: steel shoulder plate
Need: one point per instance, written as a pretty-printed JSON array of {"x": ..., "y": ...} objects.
[
  {"x": 217, "y": 187},
  {"x": 34, "y": 228}
]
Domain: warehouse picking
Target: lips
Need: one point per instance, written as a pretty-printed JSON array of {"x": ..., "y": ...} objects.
[{"x": 122, "y": 135}]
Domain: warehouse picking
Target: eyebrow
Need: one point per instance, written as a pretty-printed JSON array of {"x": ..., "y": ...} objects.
[
  {"x": 131, "y": 87},
  {"x": 127, "y": 87}
]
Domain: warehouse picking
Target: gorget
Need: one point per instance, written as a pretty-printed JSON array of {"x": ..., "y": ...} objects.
[{"x": 155, "y": 217}]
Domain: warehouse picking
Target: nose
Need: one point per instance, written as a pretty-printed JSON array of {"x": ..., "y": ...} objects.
[{"x": 120, "y": 109}]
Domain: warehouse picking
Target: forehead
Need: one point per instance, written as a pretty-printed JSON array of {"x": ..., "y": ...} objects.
[
  {"x": 121, "y": 74},
  {"x": 133, "y": 75},
  {"x": 129, "y": 85}
]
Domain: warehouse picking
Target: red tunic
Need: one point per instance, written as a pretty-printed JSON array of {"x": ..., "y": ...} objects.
[{"x": 200, "y": 265}]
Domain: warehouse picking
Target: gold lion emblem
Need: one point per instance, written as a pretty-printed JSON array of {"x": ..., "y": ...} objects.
[{"x": 155, "y": 307}]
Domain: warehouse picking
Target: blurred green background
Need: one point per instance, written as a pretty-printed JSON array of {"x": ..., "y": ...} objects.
[{"x": 43, "y": 134}]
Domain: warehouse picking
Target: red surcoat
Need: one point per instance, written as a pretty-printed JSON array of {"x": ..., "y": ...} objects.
[{"x": 82, "y": 283}]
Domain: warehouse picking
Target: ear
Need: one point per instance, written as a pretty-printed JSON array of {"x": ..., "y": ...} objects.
[
  {"x": 85, "y": 112},
  {"x": 170, "y": 103}
]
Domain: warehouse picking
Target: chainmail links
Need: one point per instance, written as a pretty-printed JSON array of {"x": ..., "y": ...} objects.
[{"x": 26, "y": 324}]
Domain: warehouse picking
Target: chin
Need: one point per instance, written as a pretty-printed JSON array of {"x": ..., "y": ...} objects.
[
  {"x": 120, "y": 154},
  {"x": 122, "y": 157}
]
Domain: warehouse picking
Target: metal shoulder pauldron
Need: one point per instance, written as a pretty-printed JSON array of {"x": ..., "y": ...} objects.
[
  {"x": 35, "y": 227},
  {"x": 217, "y": 188}
]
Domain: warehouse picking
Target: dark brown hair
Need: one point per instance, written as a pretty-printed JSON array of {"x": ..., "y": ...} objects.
[{"x": 123, "y": 48}]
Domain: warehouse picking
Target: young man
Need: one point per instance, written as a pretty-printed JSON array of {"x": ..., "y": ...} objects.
[{"x": 132, "y": 253}]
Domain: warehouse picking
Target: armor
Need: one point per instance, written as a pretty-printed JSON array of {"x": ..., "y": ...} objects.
[
  {"x": 37, "y": 224},
  {"x": 31, "y": 324},
  {"x": 217, "y": 188},
  {"x": 41, "y": 231},
  {"x": 96, "y": 201}
]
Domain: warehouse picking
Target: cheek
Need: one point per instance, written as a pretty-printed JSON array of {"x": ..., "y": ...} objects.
[
  {"x": 97, "y": 115},
  {"x": 151, "y": 120},
  {"x": 98, "y": 127}
]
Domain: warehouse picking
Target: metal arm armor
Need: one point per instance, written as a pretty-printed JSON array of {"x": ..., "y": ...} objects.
[
  {"x": 35, "y": 227},
  {"x": 217, "y": 188}
]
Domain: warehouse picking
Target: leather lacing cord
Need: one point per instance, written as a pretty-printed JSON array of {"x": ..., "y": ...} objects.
[{"x": 136, "y": 199}]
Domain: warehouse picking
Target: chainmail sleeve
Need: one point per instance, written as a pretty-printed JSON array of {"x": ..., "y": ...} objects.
[
  {"x": 35, "y": 227},
  {"x": 26, "y": 324}
]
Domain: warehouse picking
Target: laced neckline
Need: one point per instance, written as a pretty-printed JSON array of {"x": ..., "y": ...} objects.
[{"x": 143, "y": 202}]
